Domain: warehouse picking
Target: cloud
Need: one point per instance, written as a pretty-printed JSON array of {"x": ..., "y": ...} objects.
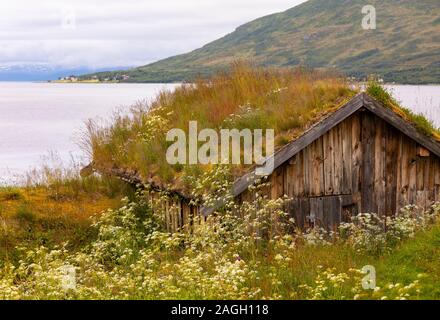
[{"x": 105, "y": 33}]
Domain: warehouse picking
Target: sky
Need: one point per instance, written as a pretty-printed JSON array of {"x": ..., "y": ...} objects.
[{"x": 113, "y": 33}]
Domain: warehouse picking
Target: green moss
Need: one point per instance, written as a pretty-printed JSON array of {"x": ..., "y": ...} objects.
[{"x": 419, "y": 121}]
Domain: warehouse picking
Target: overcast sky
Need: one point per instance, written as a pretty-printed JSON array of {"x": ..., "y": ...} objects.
[{"x": 106, "y": 33}]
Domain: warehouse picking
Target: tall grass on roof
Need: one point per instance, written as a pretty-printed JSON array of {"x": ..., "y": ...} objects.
[
  {"x": 286, "y": 100},
  {"x": 419, "y": 121}
]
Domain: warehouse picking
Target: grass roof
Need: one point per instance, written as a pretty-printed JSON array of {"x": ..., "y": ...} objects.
[
  {"x": 288, "y": 101},
  {"x": 419, "y": 121}
]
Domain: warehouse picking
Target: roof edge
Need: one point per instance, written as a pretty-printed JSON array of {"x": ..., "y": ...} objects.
[{"x": 400, "y": 124}]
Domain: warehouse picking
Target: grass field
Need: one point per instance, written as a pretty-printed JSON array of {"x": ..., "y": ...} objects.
[
  {"x": 51, "y": 215},
  {"x": 125, "y": 253}
]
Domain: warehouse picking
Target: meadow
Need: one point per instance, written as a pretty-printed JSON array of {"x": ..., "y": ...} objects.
[
  {"x": 127, "y": 254},
  {"x": 117, "y": 246}
]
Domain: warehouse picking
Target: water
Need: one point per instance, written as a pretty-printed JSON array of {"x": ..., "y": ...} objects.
[
  {"x": 36, "y": 118},
  {"x": 420, "y": 99}
]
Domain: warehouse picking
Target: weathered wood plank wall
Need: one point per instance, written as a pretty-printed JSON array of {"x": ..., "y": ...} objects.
[
  {"x": 177, "y": 212},
  {"x": 361, "y": 165}
]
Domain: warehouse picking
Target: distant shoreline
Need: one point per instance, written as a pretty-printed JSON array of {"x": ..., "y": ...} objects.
[
  {"x": 126, "y": 82},
  {"x": 177, "y": 82}
]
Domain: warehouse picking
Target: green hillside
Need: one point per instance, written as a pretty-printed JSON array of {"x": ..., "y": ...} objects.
[{"x": 404, "y": 48}]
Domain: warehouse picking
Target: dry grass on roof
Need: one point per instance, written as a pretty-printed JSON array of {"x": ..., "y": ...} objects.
[{"x": 288, "y": 101}]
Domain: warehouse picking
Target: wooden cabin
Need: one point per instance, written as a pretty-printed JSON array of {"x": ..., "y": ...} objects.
[{"x": 364, "y": 157}]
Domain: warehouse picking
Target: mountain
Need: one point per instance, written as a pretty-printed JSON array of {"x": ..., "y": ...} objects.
[
  {"x": 404, "y": 48},
  {"x": 40, "y": 72}
]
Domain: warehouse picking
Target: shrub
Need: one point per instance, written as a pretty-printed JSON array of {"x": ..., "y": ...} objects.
[
  {"x": 10, "y": 194},
  {"x": 25, "y": 213}
]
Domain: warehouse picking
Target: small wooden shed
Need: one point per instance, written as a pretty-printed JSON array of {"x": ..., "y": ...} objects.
[{"x": 364, "y": 157}]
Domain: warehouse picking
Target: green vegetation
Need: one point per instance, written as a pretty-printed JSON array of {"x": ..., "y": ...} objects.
[
  {"x": 423, "y": 124},
  {"x": 288, "y": 101},
  {"x": 414, "y": 258},
  {"x": 320, "y": 34},
  {"x": 132, "y": 257},
  {"x": 54, "y": 208},
  {"x": 10, "y": 194}
]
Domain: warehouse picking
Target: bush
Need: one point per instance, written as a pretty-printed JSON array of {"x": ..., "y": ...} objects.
[
  {"x": 24, "y": 213},
  {"x": 10, "y": 194}
]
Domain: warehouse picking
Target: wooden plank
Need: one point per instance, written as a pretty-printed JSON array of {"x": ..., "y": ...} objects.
[
  {"x": 379, "y": 167},
  {"x": 367, "y": 178},
  {"x": 317, "y": 176},
  {"x": 304, "y": 211},
  {"x": 412, "y": 166},
  {"x": 295, "y": 209},
  {"x": 328, "y": 163},
  {"x": 437, "y": 179},
  {"x": 356, "y": 145},
  {"x": 293, "y": 176},
  {"x": 186, "y": 213},
  {"x": 423, "y": 152},
  {"x": 337, "y": 160},
  {"x": 168, "y": 217},
  {"x": 347, "y": 156},
  {"x": 280, "y": 182},
  {"x": 320, "y": 212},
  {"x": 273, "y": 185},
  {"x": 420, "y": 165},
  {"x": 426, "y": 173},
  {"x": 391, "y": 171},
  {"x": 286, "y": 180},
  {"x": 431, "y": 180},
  {"x": 421, "y": 199},
  {"x": 317, "y": 211},
  {"x": 332, "y": 211},
  {"x": 405, "y": 172},
  {"x": 299, "y": 170},
  {"x": 399, "y": 185},
  {"x": 307, "y": 165},
  {"x": 179, "y": 213}
]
